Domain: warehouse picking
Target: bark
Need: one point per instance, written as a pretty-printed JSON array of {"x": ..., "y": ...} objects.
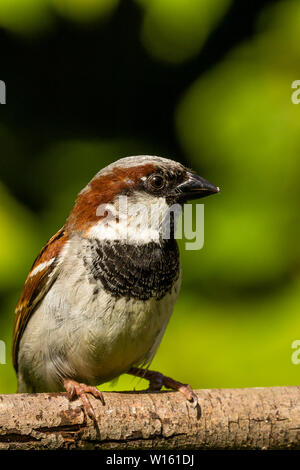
[{"x": 253, "y": 418}]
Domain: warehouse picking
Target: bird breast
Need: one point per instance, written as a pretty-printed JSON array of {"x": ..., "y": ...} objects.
[{"x": 106, "y": 311}]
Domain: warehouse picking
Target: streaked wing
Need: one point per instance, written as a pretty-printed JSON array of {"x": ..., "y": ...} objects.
[{"x": 41, "y": 276}]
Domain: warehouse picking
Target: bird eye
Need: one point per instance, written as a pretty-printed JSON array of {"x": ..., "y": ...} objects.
[{"x": 156, "y": 181}]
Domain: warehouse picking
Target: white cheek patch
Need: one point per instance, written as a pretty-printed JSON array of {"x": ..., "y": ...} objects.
[
  {"x": 123, "y": 231},
  {"x": 140, "y": 222},
  {"x": 40, "y": 267}
]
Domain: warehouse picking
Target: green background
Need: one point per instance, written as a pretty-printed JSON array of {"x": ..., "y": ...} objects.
[{"x": 205, "y": 82}]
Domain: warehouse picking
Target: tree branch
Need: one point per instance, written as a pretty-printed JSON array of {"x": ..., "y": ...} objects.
[{"x": 253, "y": 418}]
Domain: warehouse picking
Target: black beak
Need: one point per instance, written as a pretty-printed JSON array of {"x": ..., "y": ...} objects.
[{"x": 195, "y": 187}]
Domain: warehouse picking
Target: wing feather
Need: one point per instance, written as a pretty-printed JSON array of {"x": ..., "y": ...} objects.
[{"x": 41, "y": 276}]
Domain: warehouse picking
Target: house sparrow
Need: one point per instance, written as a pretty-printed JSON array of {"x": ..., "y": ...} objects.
[{"x": 99, "y": 295}]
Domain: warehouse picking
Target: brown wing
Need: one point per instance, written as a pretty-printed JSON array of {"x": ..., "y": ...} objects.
[{"x": 39, "y": 279}]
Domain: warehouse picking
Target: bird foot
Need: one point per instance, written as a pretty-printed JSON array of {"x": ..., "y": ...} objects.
[
  {"x": 157, "y": 380},
  {"x": 78, "y": 390}
]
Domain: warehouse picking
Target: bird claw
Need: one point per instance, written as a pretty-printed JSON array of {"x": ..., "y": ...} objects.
[
  {"x": 189, "y": 393},
  {"x": 79, "y": 390},
  {"x": 157, "y": 380}
]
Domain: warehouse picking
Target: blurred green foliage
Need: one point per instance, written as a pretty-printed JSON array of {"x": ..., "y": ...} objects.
[
  {"x": 238, "y": 312},
  {"x": 175, "y": 30},
  {"x": 33, "y": 16}
]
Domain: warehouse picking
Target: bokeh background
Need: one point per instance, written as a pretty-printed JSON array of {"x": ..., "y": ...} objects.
[{"x": 206, "y": 82}]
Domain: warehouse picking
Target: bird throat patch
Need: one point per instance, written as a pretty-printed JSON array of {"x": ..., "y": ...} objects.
[{"x": 134, "y": 271}]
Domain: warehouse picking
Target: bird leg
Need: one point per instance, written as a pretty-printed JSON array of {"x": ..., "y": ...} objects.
[
  {"x": 157, "y": 380},
  {"x": 78, "y": 390}
]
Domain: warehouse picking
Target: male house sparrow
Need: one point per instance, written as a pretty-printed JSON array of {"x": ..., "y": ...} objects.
[{"x": 96, "y": 303}]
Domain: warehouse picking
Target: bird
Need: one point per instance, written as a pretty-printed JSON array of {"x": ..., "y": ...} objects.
[{"x": 100, "y": 294}]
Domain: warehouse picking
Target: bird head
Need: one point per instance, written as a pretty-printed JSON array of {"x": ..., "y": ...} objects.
[{"x": 106, "y": 207}]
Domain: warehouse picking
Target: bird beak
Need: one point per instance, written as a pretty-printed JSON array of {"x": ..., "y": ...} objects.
[{"x": 195, "y": 187}]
